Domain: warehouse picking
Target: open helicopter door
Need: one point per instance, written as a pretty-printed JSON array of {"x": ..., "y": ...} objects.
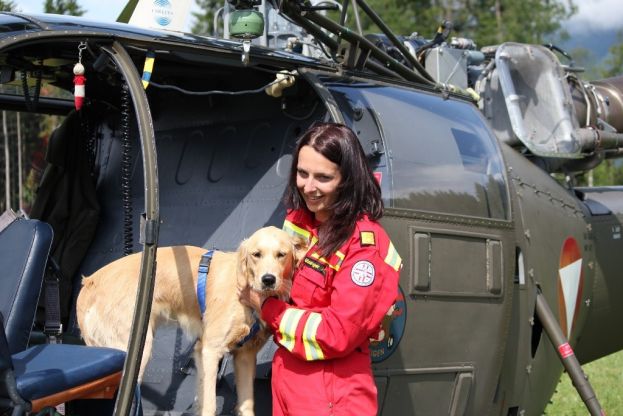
[
  {"x": 223, "y": 163},
  {"x": 446, "y": 199}
]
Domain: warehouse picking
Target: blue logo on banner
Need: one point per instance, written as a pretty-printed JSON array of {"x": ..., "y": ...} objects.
[{"x": 163, "y": 12}]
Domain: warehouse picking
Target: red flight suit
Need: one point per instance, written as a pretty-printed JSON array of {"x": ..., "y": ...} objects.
[{"x": 323, "y": 365}]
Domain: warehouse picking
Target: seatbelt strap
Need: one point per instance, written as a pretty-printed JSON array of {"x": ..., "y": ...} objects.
[{"x": 52, "y": 328}]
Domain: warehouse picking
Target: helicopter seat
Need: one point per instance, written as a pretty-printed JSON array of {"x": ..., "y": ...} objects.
[
  {"x": 24, "y": 249},
  {"x": 36, "y": 377}
]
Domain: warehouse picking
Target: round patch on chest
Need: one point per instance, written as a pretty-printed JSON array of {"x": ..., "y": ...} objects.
[{"x": 362, "y": 273}]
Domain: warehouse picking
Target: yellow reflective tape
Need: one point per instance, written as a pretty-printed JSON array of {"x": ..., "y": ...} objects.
[
  {"x": 287, "y": 327},
  {"x": 149, "y": 65},
  {"x": 341, "y": 256},
  {"x": 393, "y": 258},
  {"x": 314, "y": 240},
  {"x": 294, "y": 230},
  {"x": 148, "y": 68},
  {"x": 312, "y": 349},
  {"x": 335, "y": 267}
]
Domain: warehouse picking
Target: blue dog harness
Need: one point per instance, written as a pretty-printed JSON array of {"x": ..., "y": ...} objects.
[
  {"x": 202, "y": 275},
  {"x": 204, "y": 267}
]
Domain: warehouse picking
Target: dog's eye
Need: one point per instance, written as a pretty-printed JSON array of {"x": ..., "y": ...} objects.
[
  {"x": 257, "y": 254},
  {"x": 281, "y": 254}
]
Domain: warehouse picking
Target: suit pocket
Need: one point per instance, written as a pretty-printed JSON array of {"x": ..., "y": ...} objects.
[{"x": 310, "y": 287}]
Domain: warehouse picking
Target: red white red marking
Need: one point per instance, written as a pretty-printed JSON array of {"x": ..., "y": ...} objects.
[
  {"x": 570, "y": 282},
  {"x": 565, "y": 350}
]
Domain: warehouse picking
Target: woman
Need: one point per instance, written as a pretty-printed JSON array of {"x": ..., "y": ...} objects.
[{"x": 341, "y": 290}]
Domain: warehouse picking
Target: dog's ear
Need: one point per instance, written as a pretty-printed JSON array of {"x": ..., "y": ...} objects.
[
  {"x": 243, "y": 264},
  {"x": 300, "y": 248}
]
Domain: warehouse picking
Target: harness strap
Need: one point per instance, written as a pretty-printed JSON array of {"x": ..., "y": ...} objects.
[
  {"x": 204, "y": 267},
  {"x": 202, "y": 276},
  {"x": 255, "y": 328}
]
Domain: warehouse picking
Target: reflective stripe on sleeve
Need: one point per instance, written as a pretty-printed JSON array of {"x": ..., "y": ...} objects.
[
  {"x": 287, "y": 327},
  {"x": 295, "y": 230},
  {"x": 393, "y": 258},
  {"x": 340, "y": 256},
  {"x": 312, "y": 349}
]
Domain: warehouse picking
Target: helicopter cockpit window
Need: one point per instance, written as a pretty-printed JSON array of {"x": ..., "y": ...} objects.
[{"x": 442, "y": 157}]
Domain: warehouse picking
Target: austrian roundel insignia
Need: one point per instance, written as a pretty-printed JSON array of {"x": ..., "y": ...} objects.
[{"x": 362, "y": 273}]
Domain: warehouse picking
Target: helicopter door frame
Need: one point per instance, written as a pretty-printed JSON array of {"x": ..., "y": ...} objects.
[
  {"x": 323, "y": 93},
  {"x": 149, "y": 226}
]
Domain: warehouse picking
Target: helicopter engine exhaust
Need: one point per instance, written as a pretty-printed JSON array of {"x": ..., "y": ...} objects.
[{"x": 603, "y": 98}]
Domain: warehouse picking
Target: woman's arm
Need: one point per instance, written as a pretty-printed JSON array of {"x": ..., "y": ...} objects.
[{"x": 363, "y": 290}]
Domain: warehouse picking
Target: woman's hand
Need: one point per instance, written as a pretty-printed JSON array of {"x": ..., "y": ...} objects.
[{"x": 251, "y": 298}]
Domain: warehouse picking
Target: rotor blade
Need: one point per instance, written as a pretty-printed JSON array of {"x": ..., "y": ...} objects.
[{"x": 128, "y": 10}]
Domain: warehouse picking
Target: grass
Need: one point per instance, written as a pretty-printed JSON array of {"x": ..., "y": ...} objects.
[{"x": 606, "y": 377}]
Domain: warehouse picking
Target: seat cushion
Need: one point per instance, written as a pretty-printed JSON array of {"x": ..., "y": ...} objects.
[{"x": 43, "y": 370}]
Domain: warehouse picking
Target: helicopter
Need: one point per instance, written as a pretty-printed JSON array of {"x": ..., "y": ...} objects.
[{"x": 509, "y": 277}]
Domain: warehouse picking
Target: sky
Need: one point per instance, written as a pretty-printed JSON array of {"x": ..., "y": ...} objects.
[
  {"x": 597, "y": 15},
  {"x": 592, "y": 14}
]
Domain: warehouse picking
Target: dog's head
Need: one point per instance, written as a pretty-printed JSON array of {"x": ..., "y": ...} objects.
[{"x": 267, "y": 260}]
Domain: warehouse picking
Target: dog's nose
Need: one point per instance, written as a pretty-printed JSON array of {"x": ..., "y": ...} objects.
[{"x": 269, "y": 280}]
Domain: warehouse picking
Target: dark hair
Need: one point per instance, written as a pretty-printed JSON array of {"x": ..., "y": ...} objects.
[{"x": 358, "y": 192}]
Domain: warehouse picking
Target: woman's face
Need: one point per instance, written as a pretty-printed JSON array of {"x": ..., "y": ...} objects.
[{"x": 317, "y": 179}]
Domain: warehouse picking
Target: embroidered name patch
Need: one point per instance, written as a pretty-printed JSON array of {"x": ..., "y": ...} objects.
[
  {"x": 309, "y": 262},
  {"x": 362, "y": 273}
]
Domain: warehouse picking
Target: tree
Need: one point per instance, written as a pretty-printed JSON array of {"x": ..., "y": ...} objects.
[
  {"x": 585, "y": 58},
  {"x": 527, "y": 21},
  {"x": 205, "y": 19},
  {"x": 69, "y": 7},
  {"x": 485, "y": 21},
  {"x": 614, "y": 61},
  {"x": 7, "y": 6}
]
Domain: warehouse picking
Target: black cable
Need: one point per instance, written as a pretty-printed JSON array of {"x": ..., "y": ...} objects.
[{"x": 212, "y": 92}]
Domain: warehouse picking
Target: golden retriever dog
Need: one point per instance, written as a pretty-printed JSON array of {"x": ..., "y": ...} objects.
[{"x": 265, "y": 262}]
